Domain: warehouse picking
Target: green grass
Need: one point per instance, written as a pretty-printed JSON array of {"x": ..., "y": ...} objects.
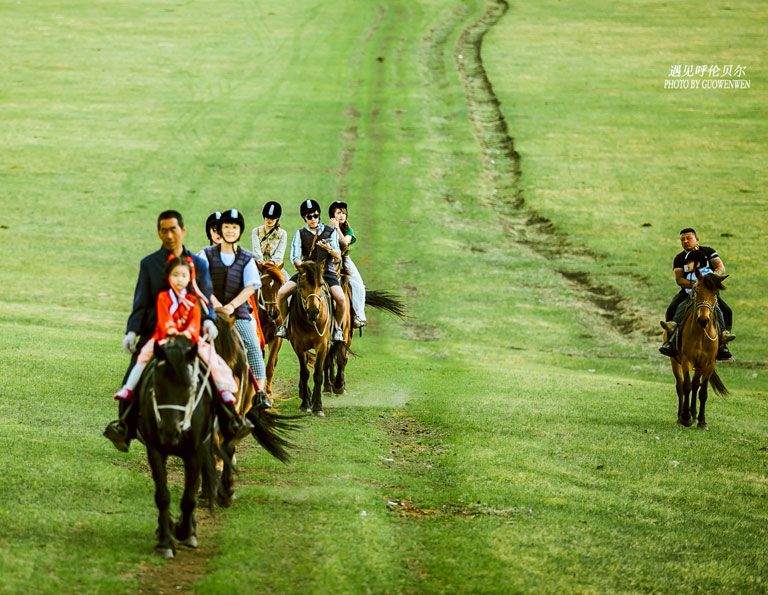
[{"x": 532, "y": 448}]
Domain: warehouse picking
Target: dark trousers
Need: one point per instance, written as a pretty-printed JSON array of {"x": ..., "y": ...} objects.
[{"x": 723, "y": 310}]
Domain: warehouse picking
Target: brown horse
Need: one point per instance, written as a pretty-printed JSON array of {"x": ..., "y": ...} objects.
[
  {"x": 272, "y": 280},
  {"x": 309, "y": 328},
  {"x": 699, "y": 340}
]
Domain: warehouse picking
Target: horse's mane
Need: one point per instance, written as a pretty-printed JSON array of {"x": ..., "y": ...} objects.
[
  {"x": 270, "y": 268},
  {"x": 312, "y": 272},
  {"x": 225, "y": 340},
  {"x": 713, "y": 282},
  {"x": 176, "y": 350}
]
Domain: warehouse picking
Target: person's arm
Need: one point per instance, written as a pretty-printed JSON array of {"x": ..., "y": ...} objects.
[
  {"x": 717, "y": 266},
  {"x": 251, "y": 282},
  {"x": 681, "y": 279},
  {"x": 331, "y": 245},
  {"x": 295, "y": 253},
  {"x": 203, "y": 280},
  {"x": 166, "y": 325},
  {"x": 256, "y": 245},
  {"x": 142, "y": 300},
  {"x": 192, "y": 330},
  {"x": 279, "y": 254}
]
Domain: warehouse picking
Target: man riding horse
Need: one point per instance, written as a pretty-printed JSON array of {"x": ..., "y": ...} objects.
[
  {"x": 143, "y": 321},
  {"x": 684, "y": 264},
  {"x": 319, "y": 243}
]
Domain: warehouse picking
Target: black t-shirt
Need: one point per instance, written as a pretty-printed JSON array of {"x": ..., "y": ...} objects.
[{"x": 708, "y": 252}]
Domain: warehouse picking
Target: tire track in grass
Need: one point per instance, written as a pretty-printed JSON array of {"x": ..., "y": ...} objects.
[{"x": 502, "y": 188}]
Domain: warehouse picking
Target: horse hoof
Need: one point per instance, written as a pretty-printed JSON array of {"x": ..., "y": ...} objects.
[
  {"x": 190, "y": 541},
  {"x": 701, "y": 426},
  {"x": 165, "y": 553},
  {"x": 343, "y": 391},
  {"x": 318, "y": 413}
]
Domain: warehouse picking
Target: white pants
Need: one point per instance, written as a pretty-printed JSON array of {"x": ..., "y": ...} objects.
[{"x": 356, "y": 288}]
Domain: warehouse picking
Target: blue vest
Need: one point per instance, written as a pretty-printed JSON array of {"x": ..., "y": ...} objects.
[
  {"x": 227, "y": 281},
  {"x": 319, "y": 255}
]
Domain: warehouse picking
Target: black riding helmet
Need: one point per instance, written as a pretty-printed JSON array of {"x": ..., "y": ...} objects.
[
  {"x": 232, "y": 216},
  {"x": 272, "y": 209},
  {"x": 212, "y": 223},
  {"x": 309, "y": 206},
  {"x": 336, "y": 204}
]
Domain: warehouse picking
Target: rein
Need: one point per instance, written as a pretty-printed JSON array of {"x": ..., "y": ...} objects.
[
  {"x": 314, "y": 323},
  {"x": 191, "y": 405},
  {"x": 711, "y": 308}
]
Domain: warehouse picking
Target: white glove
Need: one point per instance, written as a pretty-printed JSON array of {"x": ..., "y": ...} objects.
[
  {"x": 128, "y": 341},
  {"x": 210, "y": 329}
]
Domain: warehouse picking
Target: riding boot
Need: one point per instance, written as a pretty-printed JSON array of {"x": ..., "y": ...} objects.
[
  {"x": 233, "y": 427},
  {"x": 261, "y": 400},
  {"x": 123, "y": 429},
  {"x": 723, "y": 353},
  {"x": 669, "y": 347},
  {"x": 282, "y": 330}
]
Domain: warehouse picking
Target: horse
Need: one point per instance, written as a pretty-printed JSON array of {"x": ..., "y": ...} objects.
[
  {"x": 309, "y": 327},
  {"x": 699, "y": 340},
  {"x": 176, "y": 418},
  {"x": 268, "y": 426},
  {"x": 338, "y": 355},
  {"x": 269, "y": 316}
]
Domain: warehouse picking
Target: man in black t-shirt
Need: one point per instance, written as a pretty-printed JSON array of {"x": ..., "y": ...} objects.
[{"x": 682, "y": 267}]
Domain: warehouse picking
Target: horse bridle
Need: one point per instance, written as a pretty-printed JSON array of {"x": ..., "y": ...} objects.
[
  {"x": 711, "y": 308},
  {"x": 191, "y": 405},
  {"x": 262, "y": 302},
  {"x": 304, "y": 305}
]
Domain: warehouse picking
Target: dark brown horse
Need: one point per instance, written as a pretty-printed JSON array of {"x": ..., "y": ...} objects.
[
  {"x": 272, "y": 279},
  {"x": 698, "y": 343},
  {"x": 338, "y": 356},
  {"x": 268, "y": 426},
  {"x": 309, "y": 327}
]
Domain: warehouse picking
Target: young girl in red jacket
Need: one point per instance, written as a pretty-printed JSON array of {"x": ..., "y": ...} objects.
[{"x": 178, "y": 313}]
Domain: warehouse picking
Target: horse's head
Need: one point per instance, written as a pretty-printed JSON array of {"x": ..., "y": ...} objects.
[
  {"x": 705, "y": 296},
  {"x": 271, "y": 281},
  {"x": 174, "y": 387},
  {"x": 310, "y": 289}
]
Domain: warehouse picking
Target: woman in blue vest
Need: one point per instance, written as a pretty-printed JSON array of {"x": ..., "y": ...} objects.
[{"x": 234, "y": 277}]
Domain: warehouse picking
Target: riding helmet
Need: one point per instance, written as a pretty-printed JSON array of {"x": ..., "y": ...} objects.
[
  {"x": 336, "y": 204},
  {"x": 272, "y": 209},
  {"x": 232, "y": 216},
  {"x": 212, "y": 223},
  {"x": 309, "y": 206}
]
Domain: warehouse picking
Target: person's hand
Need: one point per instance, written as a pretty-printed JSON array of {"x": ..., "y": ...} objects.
[
  {"x": 187, "y": 334},
  {"x": 128, "y": 342},
  {"x": 172, "y": 332},
  {"x": 229, "y": 309},
  {"x": 210, "y": 329}
]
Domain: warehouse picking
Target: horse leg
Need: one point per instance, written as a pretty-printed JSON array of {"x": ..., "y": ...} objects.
[
  {"x": 303, "y": 380},
  {"x": 317, "y": 377},
  {"x": 327, "y": 374},
  {"x": 339, "y": 384},
  {"x": 685, "y": 416},
  {"x": 678, "y": 373},
  {"x": 702, "y": 425},
  {"x": 185, "y": 528},
  {"x": 274, "y": 349},
  {"x": 164, "y": 547},
  {"x": 226, "y": 487},
  {"x": 695, "y": 385}
]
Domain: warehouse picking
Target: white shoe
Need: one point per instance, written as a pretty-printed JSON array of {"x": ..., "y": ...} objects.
[
  {"x": 281, "y": 332},
  {"x": 358, "y": 322},
  {"x": 338, "y": 335}
]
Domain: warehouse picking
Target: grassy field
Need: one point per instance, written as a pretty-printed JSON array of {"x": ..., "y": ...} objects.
[{"x": 506, "y": 438}]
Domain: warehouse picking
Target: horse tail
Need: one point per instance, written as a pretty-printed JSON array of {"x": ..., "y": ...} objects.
[
  {"x": 718, "y": 385},
  {"x": 384, "y": 300},
  {"x": 212, "y": 481},
  {"x": 338, "y": 348},
  {"x": 269, "y": 430}
]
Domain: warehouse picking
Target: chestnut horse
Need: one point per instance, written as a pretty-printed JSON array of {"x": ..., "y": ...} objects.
[
  {"x": 272, "y": 280},
  {"x": 309, "y": 327},
  {"x": 699, "y": 340}
]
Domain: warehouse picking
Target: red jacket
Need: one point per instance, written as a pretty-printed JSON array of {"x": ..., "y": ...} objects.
[{"x": 181, "y": 313}]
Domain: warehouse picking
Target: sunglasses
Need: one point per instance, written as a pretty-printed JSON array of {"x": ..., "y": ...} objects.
[{"x": 312, "y": 216}]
